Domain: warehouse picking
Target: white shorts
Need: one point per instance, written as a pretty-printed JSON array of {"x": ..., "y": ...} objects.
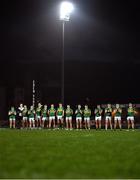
[
  {"x": 12, "y": 119},
  {"x": 68, "y": 118},
  {"x": 52, "y": 118},
  {"x": 98, "y": 118},
  {"x": 86, "y": 118},
  {"x": 131, "y": 118},
  {"x": 79, "y": 118},
  {"x": 59, "y": 117},
  {"x": 108, "y": 118},
  {"x": 44, "y": 118},
  {"x": 38, "y": 117},
  {"x": 31, "y": 119},
  {"x": 117, "y": 118},
  {"x": 25, "y": 118}
]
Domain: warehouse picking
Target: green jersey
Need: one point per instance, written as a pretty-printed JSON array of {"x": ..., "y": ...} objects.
[
  {"x": 131, "y": 111},
  {"x": 78, "y": 113},
  {"x": 31, "y": 113},
  {"x": 60, "y": 111},
  {"x": 52, "y": 112},
  {"x": 108, "y": 111},
  {"x": 44, "y": 113},
  {"x": 25, "y": 112},
  {"x": 87, "y": 112},
  {"x": 69, "y": 112},
  {"x": 118, "y": 112},
  {"x": 12, "y": 114},
  {"x": 98, "y": 112},
  {"x": 38, "y": 111}
]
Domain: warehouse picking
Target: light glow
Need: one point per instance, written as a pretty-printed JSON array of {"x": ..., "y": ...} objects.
[{"x": 66, "y": 9}]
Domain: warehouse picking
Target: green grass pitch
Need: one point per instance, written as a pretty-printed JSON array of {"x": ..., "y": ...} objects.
[{"x": 69, "y": 154}]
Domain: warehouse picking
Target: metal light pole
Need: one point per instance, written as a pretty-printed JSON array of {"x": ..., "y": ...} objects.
[{"x": 66, "y": 9}]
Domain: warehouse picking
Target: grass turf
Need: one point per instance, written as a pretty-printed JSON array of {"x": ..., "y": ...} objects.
[{"x": 69, "y": 154}]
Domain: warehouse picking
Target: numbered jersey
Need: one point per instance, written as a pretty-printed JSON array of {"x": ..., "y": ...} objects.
[
  {"x": 87, "y": 113},
  {"x": 131, "y": 111},
  {"x": 69, "y": 112}
]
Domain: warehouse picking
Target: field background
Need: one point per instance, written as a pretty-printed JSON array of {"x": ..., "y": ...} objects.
[{"x": 69, "y": 154}]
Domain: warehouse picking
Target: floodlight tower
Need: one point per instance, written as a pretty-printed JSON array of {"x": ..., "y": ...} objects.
[{"x": 66, "y": 9}]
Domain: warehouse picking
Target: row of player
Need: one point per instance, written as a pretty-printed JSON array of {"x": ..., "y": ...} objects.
[{"x": 42, "y": 116}]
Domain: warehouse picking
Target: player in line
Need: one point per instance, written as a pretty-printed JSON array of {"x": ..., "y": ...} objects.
[
  {"x": 52, "y": 113},
  {"x": 87, "y": 115},
  {"x": 130, "y": 116},
  {"x": 98, "y": 116},
  {"x": 12, "y": 117},
  {"x": 68, "y": 114},
  {"x": 108, "y": 116},
  {"x": 117, "y": 116},
  {"x": 60, "y": 116},
  {"x": 79, "y": 114}
]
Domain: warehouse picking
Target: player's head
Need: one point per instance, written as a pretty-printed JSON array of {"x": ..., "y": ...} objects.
[
  {"x": 12, "y": 108},
  {"x": 86, "y": 106},
  {"x": 117, "y": 105},
  {"x": 130, "y": 105},
  {"x": 98, "y": 106},
  {"x": 68, "y": 106},
  {"x": 21, "y": 105},
  {"x": 109, "y": 105},
  {"x": 45, "y": 106},
  {"x": 52, "y": 105},
  {"x": 39, "y": 104},
  {"x": 31, "y": 107},
  {"x": 60, "y": 105},
  {"x": 79, "y": 106},
  {"x": 25, "y": 107}
]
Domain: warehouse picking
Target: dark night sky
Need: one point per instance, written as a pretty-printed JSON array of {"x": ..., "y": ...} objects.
[{"x": 102, "y": 51}]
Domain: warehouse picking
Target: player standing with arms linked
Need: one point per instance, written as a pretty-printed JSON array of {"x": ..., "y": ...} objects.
[{"x": 44, "y": 117}]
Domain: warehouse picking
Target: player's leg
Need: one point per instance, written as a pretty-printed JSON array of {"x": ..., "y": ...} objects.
[
  {"x": 67, "y": 123},
  {"x": 70, "y": 122},
  {"x": 132, "y": 123},
  {"x": 80, "y": 123},
  {"x": 115, "y": 122},
  {"x": 53, "y": 121},
  {"x": 100, "y": 121},
  {"x": 50, "y": 122},
  {"x": 77, "y": 123},
  {"x": 96, "y": 122},
  {"x": 14, "y": 123},
  {"x": 120, "y": 122},
  {"x": 106, "y": 123},
  {"x": 88, "y": 123},
  {"x": 10, "y": 123},
  {"x": 33, "y": 122},
  {"x": 62, "y": 122},
  {"x": 110, "y": 122},
  {"x": 128, "y": 123}
]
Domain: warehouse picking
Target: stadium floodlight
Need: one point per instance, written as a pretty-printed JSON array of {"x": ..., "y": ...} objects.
[{"x": 66, "y": 9}]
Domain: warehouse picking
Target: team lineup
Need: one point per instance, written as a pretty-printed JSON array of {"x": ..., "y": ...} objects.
[{"x": 60, "y": 118}]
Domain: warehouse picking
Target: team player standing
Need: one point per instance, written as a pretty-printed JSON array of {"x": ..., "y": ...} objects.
[{"x": 59, "y": 118}]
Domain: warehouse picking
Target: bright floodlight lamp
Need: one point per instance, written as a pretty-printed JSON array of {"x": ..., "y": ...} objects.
[{"x": 66, "y": 9}]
